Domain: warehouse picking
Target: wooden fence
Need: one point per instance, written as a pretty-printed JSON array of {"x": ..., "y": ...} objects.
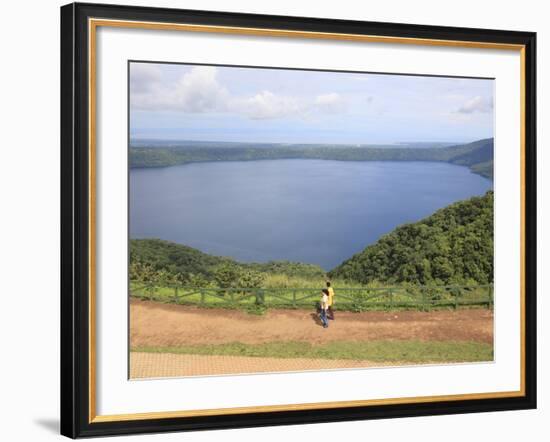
[{"x": 354, "y": 299}]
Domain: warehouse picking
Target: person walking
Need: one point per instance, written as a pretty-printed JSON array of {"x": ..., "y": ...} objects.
[
  {"x": 330, "y": 292},
  {"x": 324, "y": 308}
]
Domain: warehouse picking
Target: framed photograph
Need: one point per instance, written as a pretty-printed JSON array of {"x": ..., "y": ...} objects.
[{"x": 273, "y": 220}]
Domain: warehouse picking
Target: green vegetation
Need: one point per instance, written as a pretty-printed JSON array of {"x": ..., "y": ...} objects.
[
  {"x": 477, "y": 155},
  {"x": 376, "y": 351},
  {"x": 357, "y": 299},
  {"x": 452, "y": 246},
  {"x": 484, "y": 169},
  {"x": 443, "y": 261},
  {"x": 160, "y": 262}
]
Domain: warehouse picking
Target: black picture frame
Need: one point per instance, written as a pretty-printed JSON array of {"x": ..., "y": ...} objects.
[{"x": 75, "y": 221}]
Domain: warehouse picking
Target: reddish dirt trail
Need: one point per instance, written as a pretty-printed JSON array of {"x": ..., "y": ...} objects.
[{"x": 156, "y": 324}]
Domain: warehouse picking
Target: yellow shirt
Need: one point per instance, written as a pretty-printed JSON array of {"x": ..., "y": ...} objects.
[{"x": 330, "y": 296}]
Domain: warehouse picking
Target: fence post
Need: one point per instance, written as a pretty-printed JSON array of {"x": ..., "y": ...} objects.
[
  {"x": 202, "y": 297},
  {"x": 176, "y": 294},
  {"x": 259, "y": 297},
  {"x": 294, "y": 298},
  {"x": 490, "y": 293},
  {"x": 457, "y": 291},
  {"x": 424, "y": 306},
  {"x": 391, "y": 299}
]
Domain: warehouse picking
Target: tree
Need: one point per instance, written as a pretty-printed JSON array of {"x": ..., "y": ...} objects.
[
  {"x": 198, "y": 281},
  {"x": 143, "y": 272},
  {"x": 226, "y": 276},
  {"x": 251, "y": 279},
  {"x": 453, "y": 245}
]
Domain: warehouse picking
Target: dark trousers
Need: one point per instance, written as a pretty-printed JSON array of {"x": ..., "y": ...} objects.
[
  {"x": 330, "y": 312},
  {"x": 323, "y": 316}
]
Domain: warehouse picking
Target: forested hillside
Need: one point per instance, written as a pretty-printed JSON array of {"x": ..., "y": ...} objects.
[
  {"x": 155, "y": 260},
  {"x": 477, "y": 155},
  {"x": 454, "y": 245}
]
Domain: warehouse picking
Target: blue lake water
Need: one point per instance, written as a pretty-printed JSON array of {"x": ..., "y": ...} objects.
[{"x": 313, "y": 211}]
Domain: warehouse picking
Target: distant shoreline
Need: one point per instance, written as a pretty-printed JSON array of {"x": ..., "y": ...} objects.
[
  {"x": 188, "y": 163},
  {"x": 478, "y": 156}
]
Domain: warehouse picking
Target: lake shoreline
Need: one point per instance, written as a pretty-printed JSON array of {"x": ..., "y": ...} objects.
[
  {"x": 482, "y": 174},
  {"x": 315, "y": 211},
  {"x": 478, "y": 155}
]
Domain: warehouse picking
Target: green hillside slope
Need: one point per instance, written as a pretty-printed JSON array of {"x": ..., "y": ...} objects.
[
  {"x": 191, "y": 266},
  {"x": 477, "y": 156},
  {"x": 468, "y": 155},
  {"x": 454, "y": 245}
]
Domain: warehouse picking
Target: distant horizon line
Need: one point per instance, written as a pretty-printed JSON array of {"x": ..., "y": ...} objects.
[{"x": 180, "y": 140}]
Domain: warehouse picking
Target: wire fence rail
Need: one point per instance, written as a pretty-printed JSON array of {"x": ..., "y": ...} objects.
[{"x": 352, "y": 299}]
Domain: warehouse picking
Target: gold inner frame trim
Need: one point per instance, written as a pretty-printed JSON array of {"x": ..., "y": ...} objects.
[
  {"x": 293, "y": 407},
  {"x": 93, "y": 24},
  {"x": 299, "y": 34}
]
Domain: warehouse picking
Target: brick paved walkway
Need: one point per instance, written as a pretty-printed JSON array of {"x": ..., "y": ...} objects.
[{"x": 159, "y": 365}]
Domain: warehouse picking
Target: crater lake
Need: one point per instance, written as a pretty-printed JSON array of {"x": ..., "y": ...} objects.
[{"x": 312, "y": 211}]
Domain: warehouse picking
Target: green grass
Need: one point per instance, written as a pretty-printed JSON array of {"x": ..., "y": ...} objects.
[{"x": 377, "y": 351}]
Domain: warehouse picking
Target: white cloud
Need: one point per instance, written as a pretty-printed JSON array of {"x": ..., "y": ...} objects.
[
  {"x": 199, "y": 91},
  {"x": 267, "y": 105},
  {"x": 476, "y": 104},
  {"x": 196, "y": 91},
  {"x": 330, "y": 103}
]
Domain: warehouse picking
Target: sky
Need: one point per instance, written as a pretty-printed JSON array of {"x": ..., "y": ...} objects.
[{"x": 218, "y": 103}]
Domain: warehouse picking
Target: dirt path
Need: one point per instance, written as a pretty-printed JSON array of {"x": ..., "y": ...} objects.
[{"x": 156, "y": 324}]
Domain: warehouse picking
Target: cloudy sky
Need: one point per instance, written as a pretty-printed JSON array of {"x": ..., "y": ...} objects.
[{"x": 213, "y": 103}]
